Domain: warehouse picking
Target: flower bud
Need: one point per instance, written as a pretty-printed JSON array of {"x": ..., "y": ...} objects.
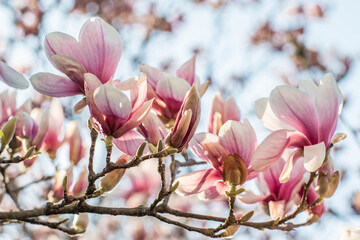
[
  {"x": 80, "y": 222},
  {"x": 234, "y": 170},
  {"x": 338, "y": 137},
  {"x": 111, "y": 179},
  {"x": 186, "y": 121},
  {"x": 81, "y": 184},
  {"x": 230, "y": 231}
]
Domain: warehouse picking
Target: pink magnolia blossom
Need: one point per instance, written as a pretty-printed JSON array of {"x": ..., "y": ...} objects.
[
  {"x": 11, "y": 77},
  {"x": 234, "y": 138},
  {"x": 152, "y": 129},
  {"x": 80, "y": 185},
  {"x": 7, "y": 105},
  {"x": 221, "y": 111},
  {"x": 169, "y": 91},
  {"x": 303, "y": 119},
  {"x": 186, "y": 121},
  {"x": 280, "y": 197},
  {"x": 113, "y": 114},
  {"x": 52, "y": 139},
  {"x": 76, "y": 146},
  {"x": 98, "y": 51},
  {"x": 27, "y": 127}
]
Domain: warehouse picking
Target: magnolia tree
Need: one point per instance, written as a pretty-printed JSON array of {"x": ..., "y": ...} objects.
[{"x": 152, "y": 119}]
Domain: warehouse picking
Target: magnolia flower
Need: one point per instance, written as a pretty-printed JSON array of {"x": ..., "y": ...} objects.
[
  {"x": 186, "y": 121},
  {"x": 221, "y": 111},
  {"x": 56, "y": 120},
  {"x": 98, "y": 51},
  {"x": 81, "y": 184},
  {"x": 169, "y": 91},
  {"x": 11, "y": 77},
  {"x": 76, "y": 146},
  {"x": 303, "y": 119},
  {"x": 280, "y": 197},
  {"x": 113, "y": 114},
  {"x": 235, "y": 144},
  {"x": 7, "y": 105}
]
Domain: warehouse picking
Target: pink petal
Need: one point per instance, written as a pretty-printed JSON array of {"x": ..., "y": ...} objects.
[
  {"x": 295, "y": 108},
  {"x": 288, "y": 167},
  {"x": 214, "y": 192},
  {"x": 197, "y": 182},
  {"x": 152, "y": 128},
  {"x": 71, "y": 67},
  {"x": 231, "y": 110},
  {"x": 44, "y": 125},
  {"x": 172, "y": 91},
  {"x": 129, "y": 142},
  {"x": 238, "y": 138},
  {"x": 54, "y": 85},
  {"x": 292, "y": 187},
  {"x": 207, "y": 147},
  {"x": 101, "y": 47},
  {"x": 328, "y": 104},
  {"x": 138, "y": 94},
  {"x": 61, "y": 43},
  {"x": 112, "y": 102},
  {"x": 267, "y": 116},
  {"x": 187, "y": 71},
  {"x": 91, "y": 84},
  {"x": 153, "y": 75},
  {"x": 309, "y": 87},
  {"x": 272, "y": 148},
  {"x": 135, "y": 119},
  {"x": 11, "y": 77},
  {"x": 217, "y": 106},
  {"x": 249, "y": 197},
  {"x": 314, "y": 156}
]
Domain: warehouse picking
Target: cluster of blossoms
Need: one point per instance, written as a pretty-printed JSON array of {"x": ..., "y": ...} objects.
[{"x": 165, "y": 108}]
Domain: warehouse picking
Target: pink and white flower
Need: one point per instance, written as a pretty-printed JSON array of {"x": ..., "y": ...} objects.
[
  {"x": 303, "y": 119},
  {"x": 113, "y": 114},
  {"x": 98, "y": 51},
  {"x": 221, "y": 111},
  {"x": 169, "y": 91},
  {"x": 235, "y": 138}
]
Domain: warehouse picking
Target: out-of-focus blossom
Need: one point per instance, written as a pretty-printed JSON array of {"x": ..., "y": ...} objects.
[
  {"x": 169, "y": 91},
  {"x": 235, "y": 140},
  {"x": 11, "y": 77},
  {"x": 80, "y": 222},
  {"x": 76, "y": 146},
  {"x": 27, "y": 127},
  {"x": 57, "y": 191},
  {"x": 98, "y": 51},
  {"x": 350, "y": 233},
  {"x": 304, "y": 119},
  {"x": 280, "y": 197},
  {"x": 221, "y": 111},
  {"x": 186, "y": 121},
  {"x": 113, "y": 114},
  {"x": 52, "y": 139},
  {"x": 80, "y": 186},
  {"x": 7, "y": 105}
]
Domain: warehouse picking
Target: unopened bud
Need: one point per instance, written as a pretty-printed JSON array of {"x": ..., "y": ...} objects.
[
  {"x": 230, "y": 231},
  {"x": 8, "y": 132},
  {"x": 338, "y": 137},
  {"x": 140, "y": 150},
  {"x": 111, "y": 179},
  {"x": 247, "y": 216},
  {"x": 80, "y": 222},
  {"x": 322, "y": 187},
  {"x": 234, "y": 170}
]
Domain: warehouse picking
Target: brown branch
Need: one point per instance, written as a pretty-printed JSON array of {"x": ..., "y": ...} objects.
[{"x": 91, "y": 177}]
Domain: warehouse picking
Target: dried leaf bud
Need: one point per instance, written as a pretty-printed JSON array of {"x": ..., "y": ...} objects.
[
  {"x": 338, "y": 137},
  {"x": 234, "y": 170},
  {"x": 333, "y": 183},
  {"x": 80, "y": 222},
  {"x": 322, "y": 187},
  {"x": 230, "y": 231},
  {"x": 111, "y": 179}
]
